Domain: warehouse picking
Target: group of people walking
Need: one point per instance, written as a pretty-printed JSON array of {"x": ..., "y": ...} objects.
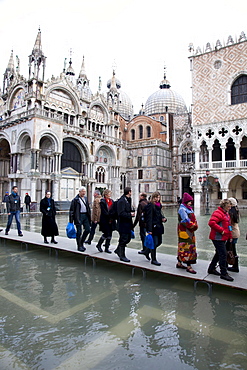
[{"x": 119, "y": 215}]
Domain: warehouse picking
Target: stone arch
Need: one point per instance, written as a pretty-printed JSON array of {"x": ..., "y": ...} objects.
[
  {"x": 75, "y": 155},
  {"x": 105, "y": 155},
  {"x": 17, "y": 98},
  {"x": 237, "y": 185},
  {"x": 65, "y": 94}
]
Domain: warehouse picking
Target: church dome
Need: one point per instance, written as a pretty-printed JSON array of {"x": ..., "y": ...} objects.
[
  {"x": 165, "y": 100},
  {"x": 125, "y": 104}
]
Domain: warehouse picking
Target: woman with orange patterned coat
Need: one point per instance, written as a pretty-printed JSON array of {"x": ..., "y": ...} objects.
[{"x": 187, "y": 225}]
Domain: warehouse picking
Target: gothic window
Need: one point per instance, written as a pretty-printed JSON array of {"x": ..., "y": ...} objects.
[
  {"x": 148, "y": 131},
  {"x": 132, "y": 134},
  {"x": 100, "y": 175},
  {"x": 230, "y": 152},
  {"x": 203, "y": 152},
  {"x": 72, "y": 120},
  {"x": 140, "y": 132},
  {"x": 239, "y": 90},
  {"x": 188, "y": 155},
  {"x": 243, "y": 148},
  {"x": 216, "y": 152},
  {"x": 71, "y": 157}
]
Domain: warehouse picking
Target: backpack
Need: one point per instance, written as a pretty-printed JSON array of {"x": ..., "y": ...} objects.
[{"x": 113, "y": 210}]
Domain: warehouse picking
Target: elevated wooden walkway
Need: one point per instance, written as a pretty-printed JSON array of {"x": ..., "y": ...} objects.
[{"x": 168, "y": 262}]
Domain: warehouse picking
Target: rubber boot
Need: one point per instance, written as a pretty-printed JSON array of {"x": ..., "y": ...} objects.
[
  {"x": 153, "y": 256},
  {"x": 146, "y": 253},
  {"x": 100, "y": 242},
  {"x": 107, "y": 245},
  {"x": 122, "y": 255},
  {"x": 234, "y": 267},
  {"x": 117, "y": 251},
  {"x": 53, "y": 240}
]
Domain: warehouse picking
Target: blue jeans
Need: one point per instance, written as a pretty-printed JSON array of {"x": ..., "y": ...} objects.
[
  {"x": 220, "y": 256},
  {"x": 17, "y": 219},
  {"x": 84, "y": 222}
]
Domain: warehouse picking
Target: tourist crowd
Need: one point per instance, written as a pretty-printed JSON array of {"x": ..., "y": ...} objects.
[{"x": 119, "y": 215}]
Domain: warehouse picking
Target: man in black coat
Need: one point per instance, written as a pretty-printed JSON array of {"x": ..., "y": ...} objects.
[
  {"x": 140, "y": 219},
  {"x": 80, "y": 214},
  {"x": 125, "y": 224}
]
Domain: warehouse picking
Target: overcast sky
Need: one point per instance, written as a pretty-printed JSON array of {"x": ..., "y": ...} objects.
[{"x": 138, "y": 37}]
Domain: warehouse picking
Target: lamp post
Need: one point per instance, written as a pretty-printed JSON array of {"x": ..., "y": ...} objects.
[{"x": 205, "y": 183}]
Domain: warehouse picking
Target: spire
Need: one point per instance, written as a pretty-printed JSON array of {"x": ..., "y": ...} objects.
[
  {"x": 113, "y": 82},
  {"x": 9, "y": 73},
  {"x": 36, "y": 58},
  {"x": 165, "y": 84},
  {"x": 82, "y": 73},
  {"x": 37, "y": 46},
  {"x": 11, "y": 66}
]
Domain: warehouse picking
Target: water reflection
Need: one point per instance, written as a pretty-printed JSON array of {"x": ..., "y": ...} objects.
[{"x": 60, "y": 314}]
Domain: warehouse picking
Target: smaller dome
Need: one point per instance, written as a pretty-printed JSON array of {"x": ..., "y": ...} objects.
[{"x": 125, "y": 105}]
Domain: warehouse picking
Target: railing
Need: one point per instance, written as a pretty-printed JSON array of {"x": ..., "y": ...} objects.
[
  {"x": 228, "y": 164},
  {"x": 217, "y": 164}
]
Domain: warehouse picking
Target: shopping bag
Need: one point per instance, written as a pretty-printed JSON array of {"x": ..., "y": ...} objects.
[
  {"x": 70, "y": 231},
  {"x": 149, "y": 242}
]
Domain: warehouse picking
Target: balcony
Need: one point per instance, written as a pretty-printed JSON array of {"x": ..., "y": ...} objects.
[{"x": 222, "y": 165}]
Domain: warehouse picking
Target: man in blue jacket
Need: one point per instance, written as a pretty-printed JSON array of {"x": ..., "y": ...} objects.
[{"x": 13, "y": 204}]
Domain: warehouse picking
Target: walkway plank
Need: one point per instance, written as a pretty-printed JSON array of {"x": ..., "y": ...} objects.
[{"x": 168, "y": 262}]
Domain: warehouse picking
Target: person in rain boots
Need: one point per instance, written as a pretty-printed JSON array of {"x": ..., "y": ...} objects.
[
  {"x": 125, "y": 224},
  {"x": 234, "y": 216},
  {"x": 80, "y": 214},
  {"x": 154, "y": 226},
  {"x": 106, "y": 223},
  {"x": 140, "y": 219}
]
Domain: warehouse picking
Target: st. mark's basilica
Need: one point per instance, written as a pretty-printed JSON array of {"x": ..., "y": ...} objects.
[{"x": 57, "y": 134}]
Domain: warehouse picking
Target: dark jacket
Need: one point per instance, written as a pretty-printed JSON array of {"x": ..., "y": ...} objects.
[
  {"x": 75, "y": 207},
  {"x": 219, "y": 222},
  {"x": 13, "y": 204},
  {"x": 125, "y": 224},
  {"x": 49, "y": 226},
  {"x": 106, "y": 223},
  {"x": 142, "y": 204},
  {"x": 27, "y": 199},
  {"x": 154, "y": 219},
  {"x": 44, "y": 204}
]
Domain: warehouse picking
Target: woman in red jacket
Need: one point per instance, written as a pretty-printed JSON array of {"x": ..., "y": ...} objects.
[{"x": 220, "y": 224}]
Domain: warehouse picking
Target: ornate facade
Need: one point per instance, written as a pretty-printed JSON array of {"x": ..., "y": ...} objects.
[{"x": 219, "y": 116}]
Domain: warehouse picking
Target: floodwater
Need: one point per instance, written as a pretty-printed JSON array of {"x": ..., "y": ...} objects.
[{"x": 58, "y": 313}]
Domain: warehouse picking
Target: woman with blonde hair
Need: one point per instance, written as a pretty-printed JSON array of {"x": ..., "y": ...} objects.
[{"x": 154, "y": 225}]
